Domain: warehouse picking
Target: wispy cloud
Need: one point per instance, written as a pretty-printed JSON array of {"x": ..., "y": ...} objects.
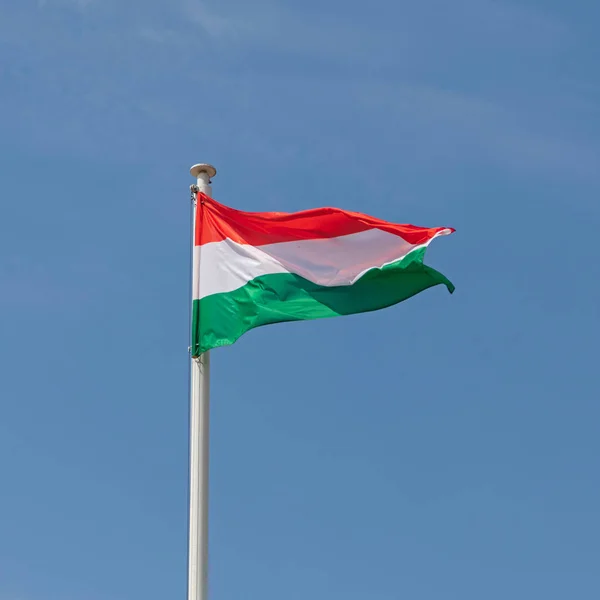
[
  {"x": 448, "y": 124},
  {"x": 350, "y": 84},
  {"x": 159, "y": 35},
  {"x": 384, "y": 33},
  {"x": 214, "y": 24},
  {"x": 78, "y": 4}
]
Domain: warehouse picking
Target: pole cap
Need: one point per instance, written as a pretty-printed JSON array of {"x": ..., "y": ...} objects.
[{"x": 203, "y": 168}]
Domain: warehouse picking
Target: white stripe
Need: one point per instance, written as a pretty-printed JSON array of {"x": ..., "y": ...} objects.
[{"x": 226, "y": 266}]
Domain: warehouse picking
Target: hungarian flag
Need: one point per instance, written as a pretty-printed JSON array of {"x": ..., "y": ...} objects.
[{"x": 252, "y": 269}]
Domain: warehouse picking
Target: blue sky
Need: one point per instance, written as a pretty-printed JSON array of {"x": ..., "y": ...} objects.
[{"x": 443, "y": 448}]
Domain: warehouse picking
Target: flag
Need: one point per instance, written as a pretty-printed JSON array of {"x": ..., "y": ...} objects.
[{"x": 252, "y": 269}]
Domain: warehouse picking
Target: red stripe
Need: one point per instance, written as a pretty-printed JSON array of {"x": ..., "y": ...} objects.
[{"x": 216, "y": 222}]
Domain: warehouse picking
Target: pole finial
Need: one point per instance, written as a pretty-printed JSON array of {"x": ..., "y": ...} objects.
[
  {"x": 201, "y": 169},
  {"x": 203, "y": 174}
]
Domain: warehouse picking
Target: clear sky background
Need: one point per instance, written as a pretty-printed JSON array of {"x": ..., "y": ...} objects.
[{"x": 446, "y": 448}]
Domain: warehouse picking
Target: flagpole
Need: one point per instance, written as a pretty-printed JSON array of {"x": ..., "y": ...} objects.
[{"x": 199, "y": 439}]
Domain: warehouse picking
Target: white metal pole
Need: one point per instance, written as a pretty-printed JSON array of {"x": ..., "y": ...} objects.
[{"x": 199, "y": 444}]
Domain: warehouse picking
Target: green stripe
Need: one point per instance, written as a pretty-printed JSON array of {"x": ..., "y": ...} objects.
[{"x": 220, "y": 319}]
